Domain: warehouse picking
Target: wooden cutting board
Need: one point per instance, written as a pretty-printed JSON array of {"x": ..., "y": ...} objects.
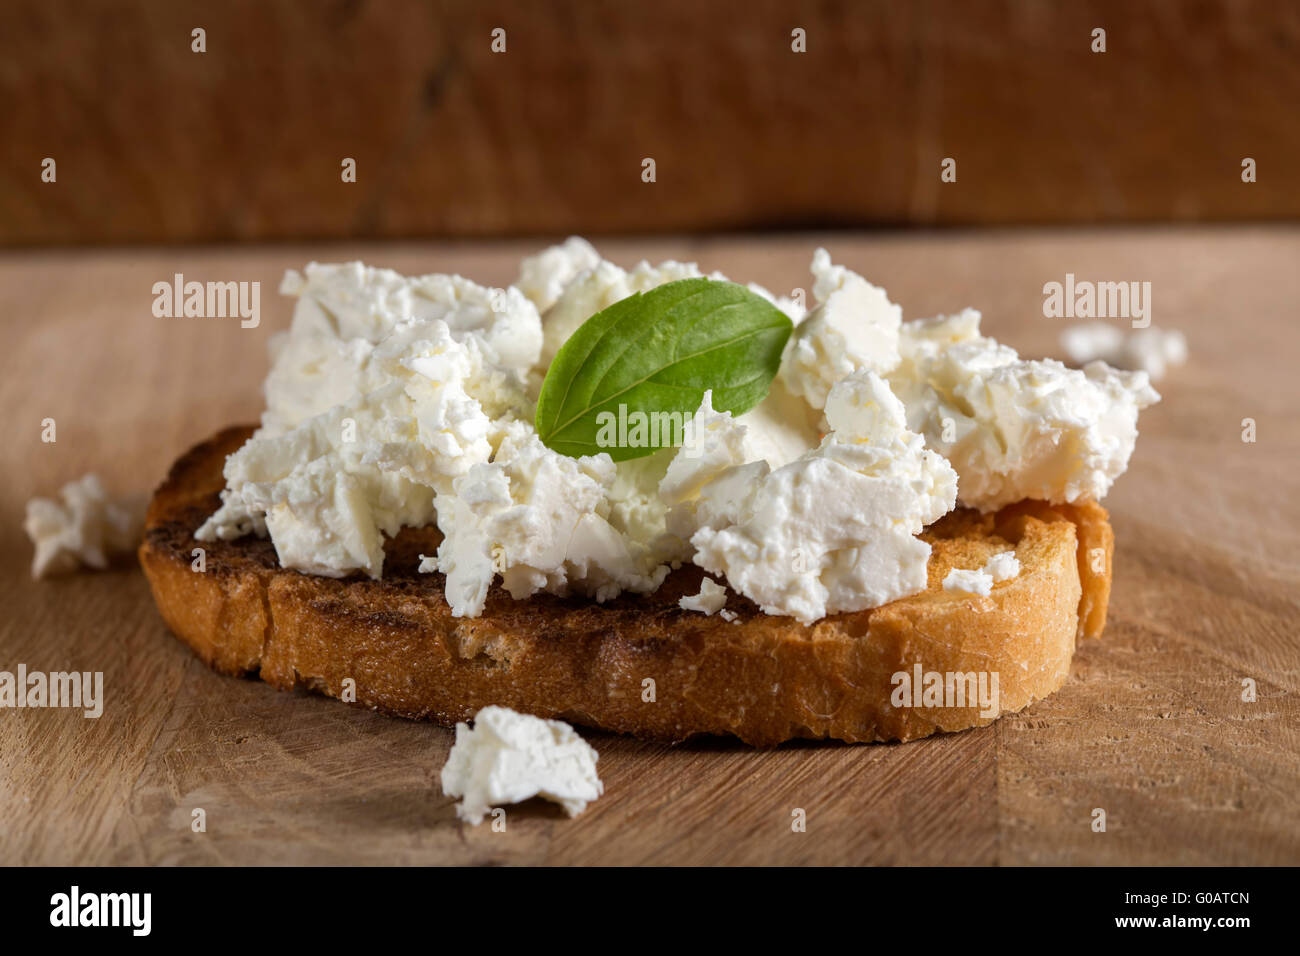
[{"x": 1151, "y": 726}]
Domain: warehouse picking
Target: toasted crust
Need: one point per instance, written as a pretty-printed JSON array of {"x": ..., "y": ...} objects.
[{"x": 764, "y": 679}]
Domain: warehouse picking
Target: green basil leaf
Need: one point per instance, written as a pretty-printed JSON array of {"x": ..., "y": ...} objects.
[{"x": 658, "y": 352}]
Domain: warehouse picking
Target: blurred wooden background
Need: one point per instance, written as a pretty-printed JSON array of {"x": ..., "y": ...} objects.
[{"x": 154, "y": 142}]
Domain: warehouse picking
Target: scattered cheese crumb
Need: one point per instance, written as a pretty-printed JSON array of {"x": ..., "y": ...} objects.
[
  {"x": 1002, "y": 566},
  {"x": 974, "y": 582},
  {"x": 82, "y": 531},
  {"x": 510, "y": 757},
  {"x": 1151, "y": 350},
  {"x": 728, "y": 616},
  {"x": 710, "y": 600}
]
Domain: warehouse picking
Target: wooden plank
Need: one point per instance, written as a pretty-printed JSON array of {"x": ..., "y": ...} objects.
[
  {"x": 1150, "y": 727},
  {"x": 245, "y": 140}
]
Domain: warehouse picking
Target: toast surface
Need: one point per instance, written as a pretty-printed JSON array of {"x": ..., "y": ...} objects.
[{"x": 761, "y": 678}]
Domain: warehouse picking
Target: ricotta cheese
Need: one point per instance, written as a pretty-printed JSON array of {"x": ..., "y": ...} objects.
[
  {"x": 395, "y": 401},
  {"x": 544, "y": 277},
  {"x": 508, "y": 757},
  {"x": 1152, "y": 350},
  {"x": 973, "y": 582},
  {"x": 853, "y": 327},
  {"x": 327, "y": 489},
  {"x": 539, "y": 520},
  {"x": 84, "y": 529},
  {"x": 1014, "y": 428},
  {"x": 834, "y": 530},
  {"x": 711, "y": 599},
  {"x": 345, "y": 311},
  {"x": 1002, "y": 566}
]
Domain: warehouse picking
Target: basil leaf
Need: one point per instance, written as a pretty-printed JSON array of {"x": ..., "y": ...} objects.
[{"x": 657, "y": 352}]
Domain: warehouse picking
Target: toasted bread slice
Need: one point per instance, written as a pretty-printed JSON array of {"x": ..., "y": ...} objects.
[{"x": 638, "y": 664}]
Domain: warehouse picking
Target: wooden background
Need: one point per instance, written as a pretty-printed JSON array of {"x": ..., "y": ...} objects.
[
  {"x": 156, "y": 143},
  {"x": 1150, "y": 727}
]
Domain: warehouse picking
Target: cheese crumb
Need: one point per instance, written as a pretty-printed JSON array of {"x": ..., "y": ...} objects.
[
  {"x": 710, "y": 600},
  {"x": 508, "y": 757},
  {"x": 1151, "y": 350},
  {"x": 84, "y": 530},
  {"x": 973, "y": 582},
  {"x": 1002, "y": 566}
]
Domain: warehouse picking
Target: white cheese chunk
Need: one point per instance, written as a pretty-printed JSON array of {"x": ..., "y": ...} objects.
[
  {"x": 84, "y": 529},
  {"x": 854, "y": 326},
  {"x": 1013, "y": 428},
  {"x": 544, "y": 277},
  {"x": 345, "y": 311},
  {"x": 780, "y": 428},
  {"x": 714, "y": 441},
  {"x": 972, "y": 582},
  {"x": 534, "y": 517},
  {"x": 835, "y": 530},
  {"x": 328, "y": 487},
  {"x": 711, "y": 599},
  {"x": 1002, "y": 566},
  {"x": 637, "y": 511},
  {"x": 1152, "y": 350},
  {"x": 508, "y": 757}
]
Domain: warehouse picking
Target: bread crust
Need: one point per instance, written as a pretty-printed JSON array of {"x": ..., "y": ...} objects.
[{"x": 763, "y": 679}]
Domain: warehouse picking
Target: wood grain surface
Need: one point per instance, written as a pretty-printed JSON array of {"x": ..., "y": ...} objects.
[
  {"x": 245, "y": 140},
  {"x": 1151, "y": 726}
]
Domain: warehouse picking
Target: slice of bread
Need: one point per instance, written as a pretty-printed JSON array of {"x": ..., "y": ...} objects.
[{"x": 638, "y": 664}]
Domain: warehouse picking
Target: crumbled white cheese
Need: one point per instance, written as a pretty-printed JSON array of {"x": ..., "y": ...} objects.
[
  {"x": 329, "y": 488},
  {"x": 345, "y": 311},
  {"x": 853, "y": 327},
  {"x": 1013, "y": 428},
  {"x": 711, "y": 599},
  {"x": 714, "y": 441},
  {"x": 534, "y": 517},
  {"x": 1002, "y": 566},
  {"x": 396, "y": 401},
  {"x": 508, "y": 757},
  {"x": 731, "y": 617},
  {"x": 544, "y": 277},
  {"x": 835, "y": 530},
  {"x": 84, "y": 530},
  {"x": 973, "y": 582},
  {"x": 1151, "y": 350},
  {"x": 780, "y": 428}
]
